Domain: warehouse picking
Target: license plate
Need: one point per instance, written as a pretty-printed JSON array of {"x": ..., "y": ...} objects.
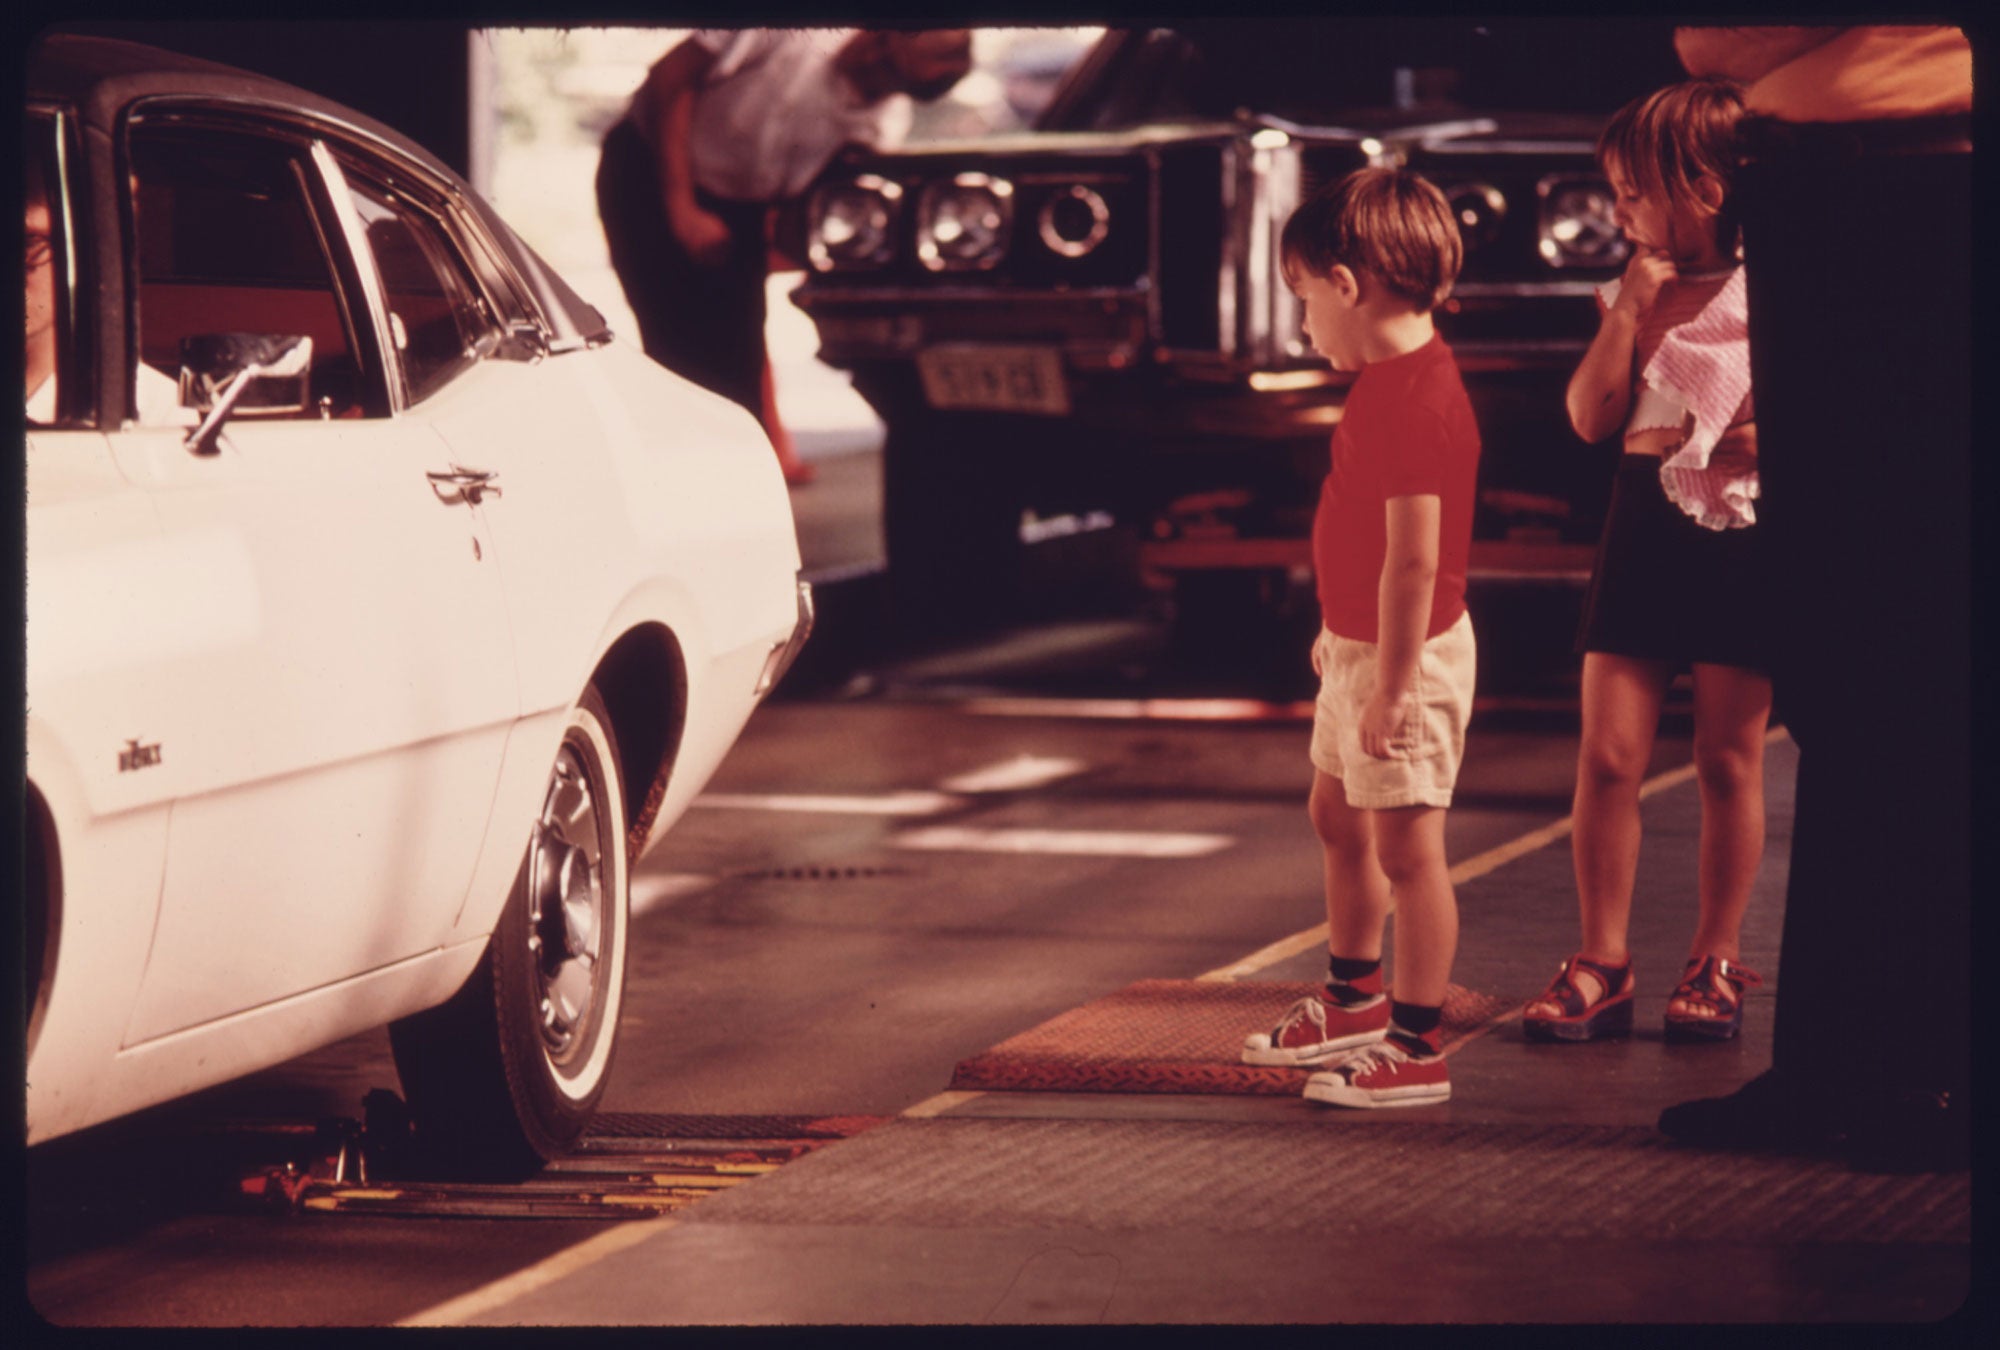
[{"x": 994, "y": 379}]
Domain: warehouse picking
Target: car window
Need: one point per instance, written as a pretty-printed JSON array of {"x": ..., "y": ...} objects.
[
  {"x": 228, "y": 243},
  {"x": 438, "y": 320},
  {"x": 49, "y": 345}
]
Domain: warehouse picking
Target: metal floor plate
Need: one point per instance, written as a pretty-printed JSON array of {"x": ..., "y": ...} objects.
[{"x": 1405, "y": 1179}]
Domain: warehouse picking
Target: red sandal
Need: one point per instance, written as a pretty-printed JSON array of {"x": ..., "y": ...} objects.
[
  {"x": 1582, "y": 1020},
  {"x": 1713, "y": 982}
]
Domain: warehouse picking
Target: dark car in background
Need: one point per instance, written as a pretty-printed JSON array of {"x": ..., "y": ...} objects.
[{"x": 1087, "y": 321}]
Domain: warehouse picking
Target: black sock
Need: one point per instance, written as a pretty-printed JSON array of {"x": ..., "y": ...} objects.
[
  {"x": 1413, "y": 1023},
  {"x": 1341, "y": 974}
]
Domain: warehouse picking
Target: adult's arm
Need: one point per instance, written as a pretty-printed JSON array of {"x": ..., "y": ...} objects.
[
  {"x": 670, "y": 94},
  {"x": 1746, "y": 55}
]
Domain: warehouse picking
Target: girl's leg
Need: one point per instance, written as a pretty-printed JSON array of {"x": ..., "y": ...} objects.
[
  {"x": 1732, "y": 709},
  {"x": 1621, "y": 713},
  {"x": 1410, "y": 843},
  {"x": 1357, "y": 891}
]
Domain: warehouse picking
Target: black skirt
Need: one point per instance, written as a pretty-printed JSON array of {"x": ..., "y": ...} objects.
[{"x": 1667, "y": 589}]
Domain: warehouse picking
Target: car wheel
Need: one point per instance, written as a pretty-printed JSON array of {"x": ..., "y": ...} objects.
[{"x": 507, "y": 1073}]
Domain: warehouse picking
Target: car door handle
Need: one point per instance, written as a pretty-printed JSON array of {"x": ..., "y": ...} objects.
[{"x": 458, "y": 484}]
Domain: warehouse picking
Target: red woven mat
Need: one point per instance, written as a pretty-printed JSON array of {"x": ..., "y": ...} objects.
[{"x": 1171, "y": 1036}]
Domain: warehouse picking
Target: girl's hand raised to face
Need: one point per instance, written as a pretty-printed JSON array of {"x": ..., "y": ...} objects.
[{"x": 1649, "y": 270}]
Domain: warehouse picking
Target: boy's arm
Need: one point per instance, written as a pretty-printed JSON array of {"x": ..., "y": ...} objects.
[{"x": 1403, "y": 606}]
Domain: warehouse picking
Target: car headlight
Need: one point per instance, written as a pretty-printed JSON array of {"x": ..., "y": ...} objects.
[
  {"x": 1577, "y": 227},
  {"x": 1074, "y": 221},
  {"x": 852, "y": 224},
  {"x": 1478, "y": 208},
  {"x": 963, "y": 224}
]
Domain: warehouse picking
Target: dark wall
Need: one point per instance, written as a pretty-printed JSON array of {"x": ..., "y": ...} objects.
[{"x": 413, "y": 76}]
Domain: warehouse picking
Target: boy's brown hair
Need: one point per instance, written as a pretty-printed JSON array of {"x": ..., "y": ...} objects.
[
  {"x": 1390, "y": 223},
  {"x": 1668, "y": 139}
]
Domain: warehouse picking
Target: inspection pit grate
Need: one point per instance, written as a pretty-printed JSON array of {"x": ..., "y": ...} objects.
[{"x": 631, "y": 1165}]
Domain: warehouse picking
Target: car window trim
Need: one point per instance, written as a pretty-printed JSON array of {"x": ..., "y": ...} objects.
[
  {"x": 340, "y": 202},
  {"x": 379, "y": 378},
  {"x": 77, "y": 403},
  {"x": 503, "y": 304}
]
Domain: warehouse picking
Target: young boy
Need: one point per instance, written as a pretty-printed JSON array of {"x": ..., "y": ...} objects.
[{"x": 1369, "y": 257}]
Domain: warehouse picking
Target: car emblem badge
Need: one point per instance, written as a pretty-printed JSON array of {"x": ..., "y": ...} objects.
[{"x": 137, "y": 756}]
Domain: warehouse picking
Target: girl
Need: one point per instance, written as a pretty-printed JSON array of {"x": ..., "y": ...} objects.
[{"x": 1677, "y": 579}]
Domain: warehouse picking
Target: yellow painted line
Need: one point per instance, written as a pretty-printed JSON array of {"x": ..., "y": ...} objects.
[
  {"x": 698, "y": 1181},
  {"x": 938, "y": 1105},
  {"x": 501, "y": 1292},
  {"x": 1478, "y": 866},
  {"x": 1070, "y": 843}
]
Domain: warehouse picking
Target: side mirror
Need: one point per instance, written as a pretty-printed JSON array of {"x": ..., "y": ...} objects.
[{"x": 268, "y": 372}]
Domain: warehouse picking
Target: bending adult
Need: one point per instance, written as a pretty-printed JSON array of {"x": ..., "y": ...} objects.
[
  {"x": 1855, "y": 201},
  {"x": 729, "y": 125}
]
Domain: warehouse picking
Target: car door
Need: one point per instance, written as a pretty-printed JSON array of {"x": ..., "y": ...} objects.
[
  {"x": 337, "y": 717},
  {"x": 560, "y": 512}
]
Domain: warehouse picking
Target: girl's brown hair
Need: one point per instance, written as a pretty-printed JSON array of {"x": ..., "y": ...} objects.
[
  {"x": 1672, "y": 137},
  {"x": 1390, "y": 223}
]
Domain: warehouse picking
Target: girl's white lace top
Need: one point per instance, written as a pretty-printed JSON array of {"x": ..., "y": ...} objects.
[{"x": 1701, "y": 369}]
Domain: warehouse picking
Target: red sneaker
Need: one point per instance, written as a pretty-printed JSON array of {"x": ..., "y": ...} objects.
[
  {"x": 1384, "y": 1074},
  {"x": 1316, "y": 1029}
]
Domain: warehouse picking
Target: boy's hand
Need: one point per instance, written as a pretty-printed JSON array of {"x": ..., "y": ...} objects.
[
  {"x": 1649, "y": 270},
  {"x": 1381, "y": 725}
]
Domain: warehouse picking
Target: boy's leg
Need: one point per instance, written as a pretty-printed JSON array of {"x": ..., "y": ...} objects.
[
  {"x": 1352, "y": 1011},
  {"x": 1409, "y": 841},
  {"x": 1406, "y": 1067},
  {"x": 1357, "y": 890}
]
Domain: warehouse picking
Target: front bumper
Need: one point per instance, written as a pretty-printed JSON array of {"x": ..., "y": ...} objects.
[{"x": 783, "y": 654}]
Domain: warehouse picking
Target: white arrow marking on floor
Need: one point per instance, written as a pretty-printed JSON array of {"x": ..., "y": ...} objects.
[
  {"x": 1014, "y": 775},
  {"x": 879, "y": 804},
  {"x": 1102, "y": 843}
]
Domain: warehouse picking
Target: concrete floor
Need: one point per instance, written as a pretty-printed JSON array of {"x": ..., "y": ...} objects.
[{"x": 1539, "y": 1193}]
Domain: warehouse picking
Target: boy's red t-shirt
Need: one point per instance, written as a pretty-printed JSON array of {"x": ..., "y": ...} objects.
[{"x": 1407, "y": 430}]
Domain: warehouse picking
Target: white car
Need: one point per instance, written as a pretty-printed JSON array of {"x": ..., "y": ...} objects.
[{"x": 381, "y": 612}]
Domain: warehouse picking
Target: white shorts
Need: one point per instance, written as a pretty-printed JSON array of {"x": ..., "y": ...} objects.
[{"x": 1431, "y": 742}]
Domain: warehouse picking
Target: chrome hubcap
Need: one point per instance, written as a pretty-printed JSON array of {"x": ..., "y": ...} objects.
[{"x": 566, "y": 909}]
